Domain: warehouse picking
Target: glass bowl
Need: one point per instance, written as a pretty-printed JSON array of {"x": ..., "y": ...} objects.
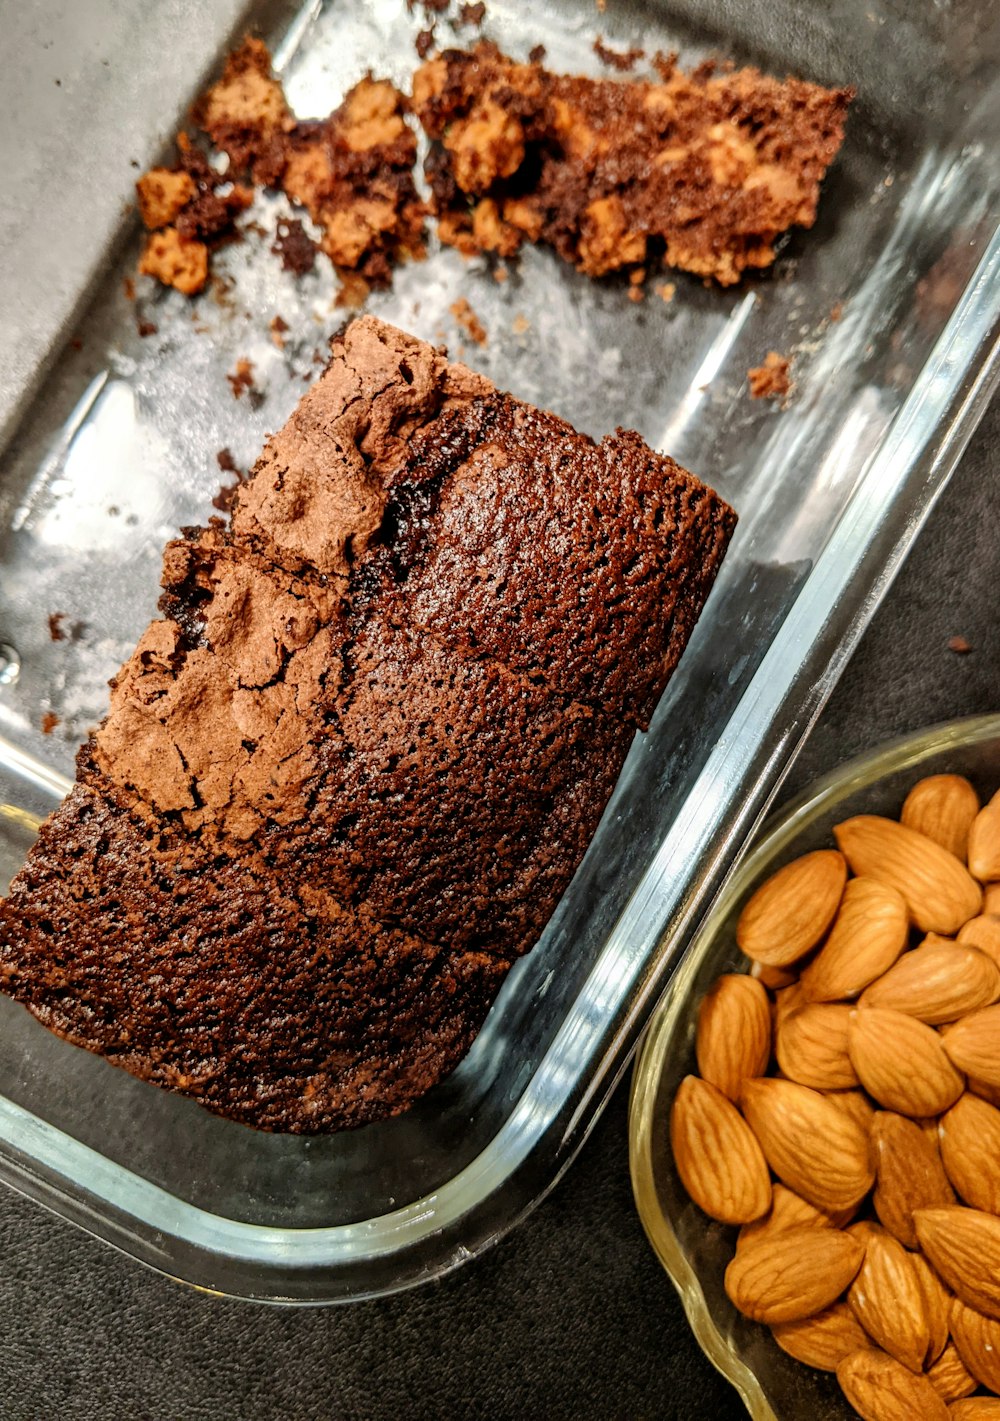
[{"x": 694, "y": 1249}]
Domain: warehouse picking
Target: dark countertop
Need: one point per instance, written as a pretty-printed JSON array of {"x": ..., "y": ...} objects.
[{"x": 571, "y": 1316}]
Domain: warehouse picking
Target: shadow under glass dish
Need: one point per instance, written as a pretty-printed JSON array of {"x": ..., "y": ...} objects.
[{"x": 119, "y": 450}]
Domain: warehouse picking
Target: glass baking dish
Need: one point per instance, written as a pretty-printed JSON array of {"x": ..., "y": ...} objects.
[{"x": 890, "y": 309}]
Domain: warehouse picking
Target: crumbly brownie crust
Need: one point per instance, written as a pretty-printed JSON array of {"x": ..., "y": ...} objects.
[
  {"x": 702, "y": 170},
  {"x": 320, "y": 821}
]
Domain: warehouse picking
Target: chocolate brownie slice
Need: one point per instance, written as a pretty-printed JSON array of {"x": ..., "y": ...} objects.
[
  {"x": 702, "y": 170},
  {"x": 317, "y": 824}
]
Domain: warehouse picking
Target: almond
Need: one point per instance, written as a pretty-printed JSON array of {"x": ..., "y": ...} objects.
[
  {"x": 811, "y": 1047},
  {"x": 887, "y": 1299},
  {"x": 734, "y": 1033},
  {"x": 984, "y": 843},
  {"x": 985, "y": 1090},
  {"x": 882, "y": 1389},
  {"x": 970, "y": 1151},
  {"x": 789, "y": 1211},
  {"x": 902, "y": 1062},
  {"x": 813, "y": 1146},
  {"x": 773, "y": 978},
  {"x": 790, "y": 912},
  {"x": 868, "y": 934},
  {"x": 949, "y": 1376},
  {"x": 974, "y": 1044},
  {"x": 856, "y": 1104},
  {"x": 908, "y": 1174},
  {"x": 942, "y": 807},
  {"x": 824, "y": 1340},
  {"x": 982, "y": 932},
  {"x": 964, "y": 1247},
  {"x": 787, "y": 1000},
  {"x": 976, "y": 1408},
  {"x": 939, "y": 891},
  {"x": 991, "y": 899},
  {"x": 977, "y": 1339},
  {"x": 792, "y": 1274},
  {"x": 937, "y": 1304},
  {"x": 937, "y": 982},
  {"x": 717, "y": 1157}
]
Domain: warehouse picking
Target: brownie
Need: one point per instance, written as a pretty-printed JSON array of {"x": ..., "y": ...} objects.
[
  {"x": 702, "y": 170},
  {"x": 347, "y": 774}
]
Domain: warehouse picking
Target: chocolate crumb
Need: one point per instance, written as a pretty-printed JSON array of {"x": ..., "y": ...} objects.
[
  {"x": 128, "y": 286},
  {"x": 772, "y": 380},
  {"x": 536, "y": 54},
  {"x": 622, "y": 60},
  {"x": 56, "y": 620},
  {"x": 353, "y": 293},
  {"x": 472, "y": 14},
  {"x": 49, "y": 722},
  {"x": 468, "y": 320},
  {"x": 294, "y": 246},
  {"x": 959, "y": 645},
  {"x": 146, "y": 328},
  {"x": 520, "y": 324},
  {"x": 500, "y": 274},
  {"x": 836, "y": 311},
  {"x": 278, "y": 327},
  {"x": 226, "y": 462},
  {"x": 241, "y": 380},
  {"x": 226, "y": 495},
  {"x": 424, "y": 43},
  {"x": 76, "y": 343},
  {"x": 665, "y": 290}
]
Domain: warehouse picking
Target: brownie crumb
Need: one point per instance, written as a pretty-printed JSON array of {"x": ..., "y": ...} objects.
[
  {"x": 128, "y": 286},
  {"x": 294, "y": 246},
  {"x": 472, "y": 14},
  {"x": 772, "y": 380},
  {"x": 49, "y": 722},
  {"x": 76, "y": 343},
  {"x": 500, "y": 274},
  {"x": 665, "y": 290},
  {"x": 959, "y": 645},
  {"x": 226, "y": 462},
  {"x": 56, "y": 620},
  {"x": 622, "y": 60},
  {"x": 424, "y": 43},
  {"x": 837, "y": 311},
  {"x": 352, "y": 293},
  {"x": 468, "y": 320},
  {"x": 223, "y": 500},
  {"x": 520, "y": 325},
  {"x": 278, "y": 327},
  {"x": 146, "y": 328},
  {"x": 241, "y": 380},
  {"x": 536, "y": 54}
]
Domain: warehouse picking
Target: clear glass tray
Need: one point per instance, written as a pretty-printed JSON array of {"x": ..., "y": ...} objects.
[
  {"x": 119, "y": 449},
  {"x": 693, "y": 1249}
]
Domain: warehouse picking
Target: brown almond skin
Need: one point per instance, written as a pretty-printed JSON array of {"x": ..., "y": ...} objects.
[
  {"x": 789, "y": 913},
  {"x": 937, "y": 1303},
  {"x": 970, "y": 1151},
  {"x": 811, "y": 1046},
  {"x": 733, "y": 1040},
  {"x": 949, "y": 1375},
  {"x": 789, "y": 1211},
  {"x": 991, "y": 899},
  {"x": 963, "y": 1246},
  {"x": 942, "y": 807},
  {"x": 887, "y": 1298},
  {"x": 856, "y": 1104},
  {"x": 909, "y": 1174},
  {"x": 868, "y": 934},
  {"x": 882, "y": 1389},
  {"x": 982, "y": 932},
  {"x": 939, "y": 981},
  {"x": 984, "y": 843},
  {"x": 823, "y": 1340},
  {"x": 813, "y": 1146},
  {"x": 773, "y": 978},
  {"x": 977, "y": 1339},
  {"x": 974, "y": 1044},
  {"x": 717, "y": 1157},
  {"x": 976, "y": 1408},
  {"x": 902, "y": 1062},
  {"x": 940, "y": 892},
  {"x": 793, "y": 1274},
  {"x": 984, "y": 1090}
]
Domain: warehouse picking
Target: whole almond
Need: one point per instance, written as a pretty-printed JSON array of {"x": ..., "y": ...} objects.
[
  {"x": 868, "y": 934},
  {"x": 908, "y": 1174},
  {"x": 942, "y": 807},
  {"x": 977, "y": 1339},
  {"x": 974, "y": 1044},
  {"x": 790, "y": 1211},
  {"x": 937, "y": 982},
  {"x": 773, "y": 978},
  {"x": 790, "y": 912},
  {"x": 984, "y": 843},
  {"x": 970, "y": 1151},
  {"x": 882, "y": 1389},
  {"x": 717, "y": 1157},
  {"x": 963, "y": 1245},
  {"x": 887, "y": 1299},
  {"x": 902, "y": 1062},
  {"x": 949, "y": 1375},
  {"x": 939, "y": 891},
  {"x": 734, "y": 1033},
  {"x": 976, "y": 1408},
  {"x": 823, "y": 1340},
  {"x": 792, "y": 1274},
  {"x": 856, "y": 1104},
  {"x": 813, "y": 1146},
  {"x": 982, "y": 932},
  {"x": 811, "y": 1047},
  {"x": 937, "y": 1304}
]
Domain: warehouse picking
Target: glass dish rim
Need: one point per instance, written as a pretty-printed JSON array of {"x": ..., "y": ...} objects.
[{"x": 890, "y": 757}]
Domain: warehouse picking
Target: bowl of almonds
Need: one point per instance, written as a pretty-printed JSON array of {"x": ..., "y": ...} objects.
[{"x": 815, "y": 1112}]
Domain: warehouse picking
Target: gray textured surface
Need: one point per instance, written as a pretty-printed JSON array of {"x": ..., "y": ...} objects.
[
  {"x": 76, "y": 74},
  {"x": 571, "y": 1316}
]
